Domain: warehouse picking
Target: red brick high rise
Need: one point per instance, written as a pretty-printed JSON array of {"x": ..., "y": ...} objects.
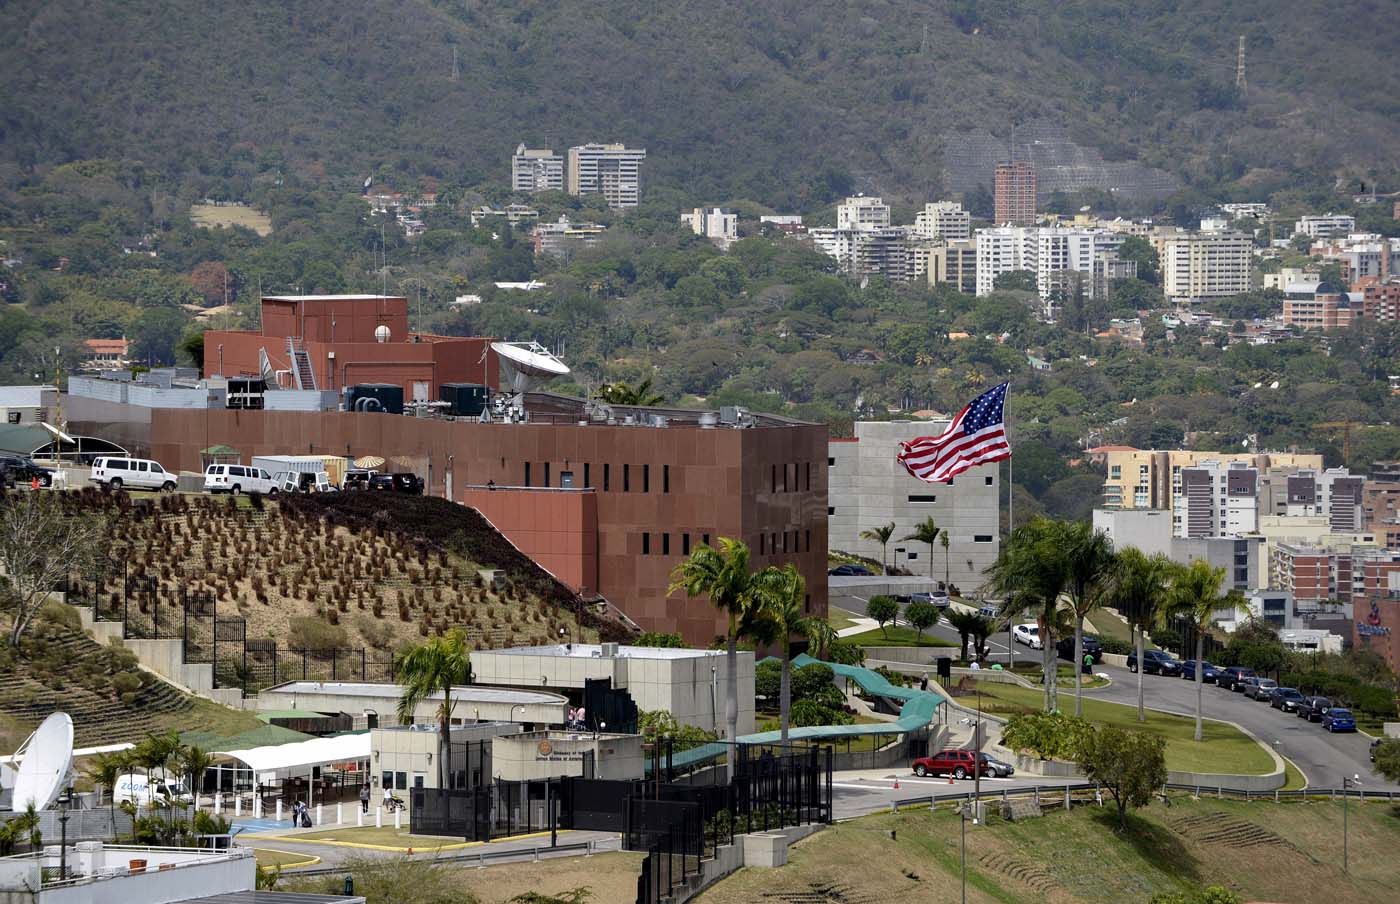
[{"x": 1014, "y": 193}]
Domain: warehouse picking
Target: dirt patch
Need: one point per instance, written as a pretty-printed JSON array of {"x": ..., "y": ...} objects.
[{"x": 611, "y": 877}]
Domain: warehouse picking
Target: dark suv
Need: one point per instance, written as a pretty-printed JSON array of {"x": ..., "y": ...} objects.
[
  {"x": 1233, "y": 676},
  {"x": 1155, "y": 662},
  {"x": 1064, "y": 648},
  {"x": 16, "y": 470},
  {"x": 1313, "y": 708}
]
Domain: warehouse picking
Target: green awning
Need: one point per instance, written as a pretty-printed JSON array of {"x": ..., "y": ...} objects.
[{"x": 220, "y": 449}]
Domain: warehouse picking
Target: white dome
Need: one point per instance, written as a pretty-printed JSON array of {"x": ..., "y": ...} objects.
[{"x": 381, "y": 333}]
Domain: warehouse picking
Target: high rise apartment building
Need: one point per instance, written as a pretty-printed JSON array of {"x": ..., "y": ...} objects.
[
  {"x": 1013, "y": 193},
  {"x": 1217, "y": 499},
  {"x": 612, "y": 170},
  {"x": 1062, "y": 259},
  {"x": 1151, "y": 479},
  {"x": 944, "y": 220},
  {"x": 718, "y": 224},
  {"x": 1381, "y": 302},
  {"x": 1325, "y": 226},
  {"x": 861, "y": 212},
  {"x": 953, "y": 263},
  {"x": 536, "y": 169},
  {"x": 1204, "y": 265},
  {"x": 1380, "y": 503}
]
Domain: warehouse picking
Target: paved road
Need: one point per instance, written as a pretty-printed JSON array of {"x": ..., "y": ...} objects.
[{"x": 873, "y": 791}]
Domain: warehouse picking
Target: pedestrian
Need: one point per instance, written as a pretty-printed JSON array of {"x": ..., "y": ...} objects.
[
  {"x": 1088, "y": 663},
  {"x": 364, "y": 798},
  {"x": 923, "y": 682}
]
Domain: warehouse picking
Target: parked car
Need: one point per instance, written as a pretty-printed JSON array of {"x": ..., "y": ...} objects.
[
  {"x": 1313, "y": 708},
  {"x": 1230, "y": 677},
  {"x": 958, "y": 763},
  {"x": 1246, "y": 685},
  {"x": 1262, "y": 689},
  {"x": 16, "y": 469},
  {"x": 1028, "y": 634},
  {"x": 1285, "y": 699},
  {"x": 1155, "y": 662},
  {"x": 849, "y": 570},
  {"x": 995, "y": 767},
  {"x": 1208, "y": 672},
  {"x": 145, "y": 791},
  {"x": 236, "y": 479},
  {"x": 408, "y": 483},
  {"x": 357, "y": 479},
  {"x": 1338, "y": 719},
  {"x": 138, "y": 473},
  {"x": 1064, "y": 648}
]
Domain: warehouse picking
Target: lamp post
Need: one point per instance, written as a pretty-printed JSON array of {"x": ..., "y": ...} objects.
[
  {"x": 63, "y": 802},
  {"x": 567, "y": 640},
  {"x": 1347, "y": 784}
]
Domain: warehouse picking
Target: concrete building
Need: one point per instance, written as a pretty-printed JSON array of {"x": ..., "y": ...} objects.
[
  {"x": 536, "y": 169},
  {"x": 564, "y": 238},
  {"x": 1363, "y": 256},
  {"x": 612, "y": 170},
  {"x": 1381, "y": 302},
  {"x": 1150, "y": 478},
  {"x": 1013, "y": 193},
  {"x": 373, "y": 705},
  {"x": 1254, "y": 210},
  {"x": 1328, "y": 308},
  {"x": 953, "y": 263},
  {"x": 1064, "y": 260},
  {"x": 329, "y": 342},
  {"x": 1217, "y": 499},
  {"x": 606, "y": 498},
  {"x": 691, "y": 684},
  {"x": 868, "y": 488},
  {"x": 1325, "y": 226},
  {"x": 1243, "y": 558},
  {"x": 717, "y": 224},
  {"x": 534, "y": 755},
  {"x": 28, "y": 405},
  {"x": 1205, "y": 265},
  {"x": 787, "y": 223},
  {"x": 862, "y": 213},
  {"x": 404, "y": 757},
  {"x": 101, "y": 873},
  {"x": 864, "y": 252},
  {"x": 1380, "y": 501},
  {"x": 1376, "y": 625},
  {"x": 944, "y": 220}
]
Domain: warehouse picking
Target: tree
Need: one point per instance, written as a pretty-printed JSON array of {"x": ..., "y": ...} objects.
[
  {"x": 41, "y": 544},
  {"x": 659, "y": 639},
  {"x": 723, "y": 575},
  {"x": 1138, "y": 591},
  {"x": 820, "y": 636},
  {"x": 947, "y": 581},
  {"x": 1031, "y": 572},
  {"x": 926, "y": 531},
  {"x": 781, "y": 593},
  {"x": 884, "y": 609},
  {"x": 1388, "y": 759},
  {"x": 106, "y": 769},
  {"x": 434, "y": 666},
  {"x": 1195, "y": 595},
  {"x": 210, "y": 279},
  {"x": 1016, "y": 281},
  {"x": 882, "y": 536},
  {"x": 621, "y": 393},
  {"x": 921, "y": 615},
  {"x": 964, "y": 624},
  {"x": 1089, "y": 562},
  {"x": 1130, "y": 765},
  {"x": 155, "y": 333},
  {"x": 192, "y": 347},
  {"x": 194, "y": 762}
]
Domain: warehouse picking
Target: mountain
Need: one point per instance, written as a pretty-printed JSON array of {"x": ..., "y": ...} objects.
[{"x": 783, "y": 102}]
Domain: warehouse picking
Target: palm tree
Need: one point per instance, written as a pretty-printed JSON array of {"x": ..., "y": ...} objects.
[
  {"x": 1089, "y": 558},
  {"x": 1195, "y": 595},
  {"x": 1139, "y": 591},
  {"x": 1031, "y": 572},
  {"x": 434, "y": 666},
  {"x": 926, "y": 531},
  {"x": 882, "y": 536},
  {"x": 947, "y": 581},
  {"x": 723, "y": 575},
  {"x": 194, "y": 762},
  {"x": 107, "y": 769},
  {"x": 620, "y": 393},
  {"x": 780, "y": 593},
  {"x": 819, "y": 634},
  {"x": 965, "y": 623}
]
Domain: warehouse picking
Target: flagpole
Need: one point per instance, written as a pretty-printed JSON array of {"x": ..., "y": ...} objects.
[{"x": 1010, "y": 463}]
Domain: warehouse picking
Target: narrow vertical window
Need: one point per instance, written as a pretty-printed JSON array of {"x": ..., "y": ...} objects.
[
  {"x": 665, "y": 478},
  {"x": 527, "y": 473}
]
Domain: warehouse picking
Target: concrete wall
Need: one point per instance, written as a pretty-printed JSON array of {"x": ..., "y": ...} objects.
[
  {"x": 188, "y": 875},
  {"x": 537, "y": 754},
  {"x": 466, "y": 709},
  {"x": 165, "y": 658},
  {"x": 869, "y": 488},
  {"x": 558, "y": 528}
]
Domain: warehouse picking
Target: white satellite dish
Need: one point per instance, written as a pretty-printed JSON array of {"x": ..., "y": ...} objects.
[
  {"x": 525, "y": 365},
  {"x": 1274, "y": 385},
  {"x": 46, "y": 758}
]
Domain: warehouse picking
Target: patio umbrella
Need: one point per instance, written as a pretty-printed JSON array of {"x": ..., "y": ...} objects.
[{"x": 369, "y": 461}]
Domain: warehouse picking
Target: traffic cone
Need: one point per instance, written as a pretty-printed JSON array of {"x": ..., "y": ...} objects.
[
  {"x": 896, "y": 784},
  {"x": 34, "y": 483},
  {"x": 950, "y": 778},
  {"x": 410, "y": 852}
]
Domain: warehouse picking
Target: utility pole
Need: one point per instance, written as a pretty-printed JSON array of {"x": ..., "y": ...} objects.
[{"x": 1240, "y": 84}]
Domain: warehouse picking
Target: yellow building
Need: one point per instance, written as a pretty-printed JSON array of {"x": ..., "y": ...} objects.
[
  {"x": 953, "y": 263},
  {"x": 1151, "y": 479}
]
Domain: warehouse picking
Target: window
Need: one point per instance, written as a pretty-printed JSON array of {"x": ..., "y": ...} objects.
[
  {"x": 387, "y": 780},
  {"x": 809, "y": 539},
  {"x": 773, "y": 543},
  {"x": 646, "y": 544},
  {"x": 981, "y": 538},
  {"x": 566, "y": 480},
  {"x": 665, "y": 544},
  {"x": 685, "y": 544},
  {"x": 809, "y": 475},
  {"x": 646, "y": 478},
  {"x": 400, "y": 781},
  {"x": 665, "y": 478},
  {"x": 527, "y": 473},
  {"x": 831, "y": 462},
  {"x": 626, "y": 478},
  {"x": 1115, "y": 472},
  {"x": 988, "y": 480},
  {"x": 546, "y": 474},
  {"x": 807, "y": 603},
  {"x": 587, "y": 477},
  {"x": 705, "y": 539},
  {"x": 762, "y": 540},
  {"x": 785, "y": 548},
  {"x": 923, "y": 498},
  {"x": 773, "y": 480},
  {"x": 607, "y": 475},
  {"x": 830, "y": 510},
  {"x": 13, "y": 416},
  {"x": 913, "y": 556}
]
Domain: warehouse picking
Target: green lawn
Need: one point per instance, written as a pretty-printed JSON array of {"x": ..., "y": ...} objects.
[
  {"x": 897, "y": 637},
  {"x": 839, "y": 619},
  {"x": 1106, "y": 624},
  {"x": 1224, "y": 749},
  {"x": 386, "y": 836}
]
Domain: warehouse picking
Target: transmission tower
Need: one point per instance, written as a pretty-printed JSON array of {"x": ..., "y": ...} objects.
[
  {"x": 923, "y": 45},
  {"x": 1240, "y": 84}
]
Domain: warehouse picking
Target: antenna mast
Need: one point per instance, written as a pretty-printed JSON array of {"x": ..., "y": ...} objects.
[{"x": 1240, "y": 84}]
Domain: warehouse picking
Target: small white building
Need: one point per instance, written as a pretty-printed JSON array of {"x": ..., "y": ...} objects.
[
  {"x": 406, "y": 756},
  {"x": 690, "y": 684},
  {"x": 1307, "y": 640},
  {"x": 717, "y": 224},
  {"x": 372, "y": 705},
  {"x": 27, "y": 404}
]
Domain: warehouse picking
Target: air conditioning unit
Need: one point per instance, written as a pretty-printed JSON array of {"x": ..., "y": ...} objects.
[{"x": 608, "y": 649}]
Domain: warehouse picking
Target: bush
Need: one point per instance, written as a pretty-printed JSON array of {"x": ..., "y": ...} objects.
[
  {"x": 1050, "y": 736},
  {"x": 1113, "y": 645},
  {"x": 659, "y": 639},
  {"x": 767, "y": 678},
  {"x": 844, "y": 652},
  {"x": 812, "y": 680},
  {"x": 809, "y": 712},
  {"x": 126, "y": 682},
  {"x": 307, "y": 632}
]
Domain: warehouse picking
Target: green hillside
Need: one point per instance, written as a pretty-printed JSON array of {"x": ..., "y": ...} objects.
[{"x": 786, "y": 103}]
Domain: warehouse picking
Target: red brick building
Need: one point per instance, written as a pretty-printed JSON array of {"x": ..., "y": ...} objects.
[
  {"x": 1014, "y": 187},
  {"x": 1377, "y": 611},
  {"x": 1381, "y": 302},
  {"x": 334, "y": 341}
]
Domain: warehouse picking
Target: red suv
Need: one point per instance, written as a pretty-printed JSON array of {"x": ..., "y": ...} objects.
[{"x": 961, "y": 763}]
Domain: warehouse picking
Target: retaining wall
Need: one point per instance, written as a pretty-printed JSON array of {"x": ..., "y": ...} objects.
[{"x": 166, "y": 659}]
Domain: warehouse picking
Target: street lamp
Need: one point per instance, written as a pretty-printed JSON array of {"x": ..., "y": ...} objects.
[
  {"x": 63, "y": 801},
  {"x": 1347, "y": 784},
  {"x": 566, "y": 639}
]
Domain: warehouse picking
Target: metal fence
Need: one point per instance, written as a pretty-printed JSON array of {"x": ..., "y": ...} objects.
[{"x": 491, "y": 811}]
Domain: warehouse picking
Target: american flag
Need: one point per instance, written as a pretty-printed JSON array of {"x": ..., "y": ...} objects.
[{"x": 976, "y": 436}]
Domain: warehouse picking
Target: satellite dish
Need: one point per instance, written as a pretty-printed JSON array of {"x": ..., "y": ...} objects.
[
  {"x": 1274, "y": 385},
  {"x": 46, "y": 759},
  {"x": 381, "y": 334},
  {"x": 525, "y": 365},
  {"x": 265, "y": 368}
]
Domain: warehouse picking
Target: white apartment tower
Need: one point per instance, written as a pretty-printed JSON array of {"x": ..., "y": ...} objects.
[
  {"x": 861, "y": 212},
  {"x": 612, "y": 170},
  {"x": 1060, "y": 258},
  {"x": 944, "y": 219},
  {"x": 1218, "y": 499},
  {"x": 1325, "y": 226},
  {"x": 1199, "y": 266},
  {"x": 536, "y": 169}
]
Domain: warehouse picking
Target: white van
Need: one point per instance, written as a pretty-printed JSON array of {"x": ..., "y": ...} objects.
[
  {"x": 303, "y": 482},
  {"x": 237, "y": 479},
  {"x": 139, "y": 473},
  {"x": 144, "y": 791}
]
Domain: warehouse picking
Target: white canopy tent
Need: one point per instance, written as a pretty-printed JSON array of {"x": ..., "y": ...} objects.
[{"x": 296, "y": 762}]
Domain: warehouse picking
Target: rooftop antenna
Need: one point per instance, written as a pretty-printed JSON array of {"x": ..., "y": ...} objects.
[
  {"x": 923, "y": 44},
  {"x": 454, "y": 62},
  {"x": 1240, "y": 84}
]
